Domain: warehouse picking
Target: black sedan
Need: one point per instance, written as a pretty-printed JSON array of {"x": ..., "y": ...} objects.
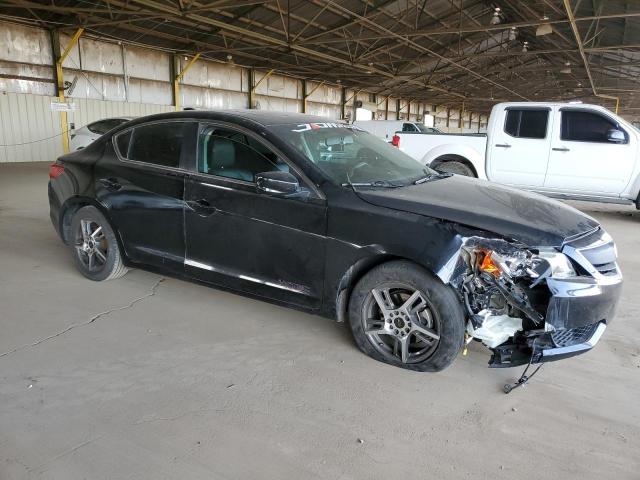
[{"x": 324, "y": 217}]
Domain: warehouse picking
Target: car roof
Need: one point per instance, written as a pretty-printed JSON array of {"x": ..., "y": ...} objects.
[
  {"x": 113, "y": 118},
  {"x": 550, "y": 104},
  {"x": 261, "y": 117}
]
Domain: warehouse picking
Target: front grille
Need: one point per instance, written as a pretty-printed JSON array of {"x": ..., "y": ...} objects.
[
  {"x": 572, "y": 336},
  {"x": 594, "y": 252},
  {"x": 610, "y": 268}
]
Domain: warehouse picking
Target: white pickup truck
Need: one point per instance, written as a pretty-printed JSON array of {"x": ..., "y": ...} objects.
[{"x": 570, "y": 151}]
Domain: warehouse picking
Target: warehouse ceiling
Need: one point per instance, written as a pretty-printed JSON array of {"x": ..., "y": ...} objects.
[{"x": 447, "y": 52}]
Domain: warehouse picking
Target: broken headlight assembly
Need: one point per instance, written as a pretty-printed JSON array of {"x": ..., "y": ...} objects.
[
  {"x": 503, "y": 289},
  {"x": 535, "y": 305}
]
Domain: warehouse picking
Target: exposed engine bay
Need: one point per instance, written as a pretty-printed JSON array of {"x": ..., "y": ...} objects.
[{"x": 531, "y": 305}]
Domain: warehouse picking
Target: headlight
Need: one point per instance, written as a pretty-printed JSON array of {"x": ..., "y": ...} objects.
[
  {"x": 558, "y": 263},
  {"x": 521, "y": 262},
  {"x": 512, "y": 264}
]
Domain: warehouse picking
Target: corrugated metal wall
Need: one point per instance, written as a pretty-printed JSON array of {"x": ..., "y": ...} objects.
[
  {"x": 29, "y": 130},
  {"x": 112, "y": 79}
]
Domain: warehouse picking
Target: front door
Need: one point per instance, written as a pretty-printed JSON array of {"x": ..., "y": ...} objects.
[
  {"x": 236, "y": 237},
  {"x": 583, "y": 160},
  {"x": 518, "y": 147}
]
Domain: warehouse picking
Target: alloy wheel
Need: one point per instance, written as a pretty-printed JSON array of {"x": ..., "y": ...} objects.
[
  {"x": 91, "y": 245},
  {"x": 401, "y": 323}
]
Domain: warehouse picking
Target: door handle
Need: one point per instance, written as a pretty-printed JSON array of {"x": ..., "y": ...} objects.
[
  {"x": 503, "y": 145},
  {"x": 201, "y": 206},
  {"x": 560, "y": 149},
  {"x": 111, "y": 184}
]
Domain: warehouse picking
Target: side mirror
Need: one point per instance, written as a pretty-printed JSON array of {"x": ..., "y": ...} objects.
[
  {"x": 279, "y": 184},
  {"x": 616, "y": 136}
]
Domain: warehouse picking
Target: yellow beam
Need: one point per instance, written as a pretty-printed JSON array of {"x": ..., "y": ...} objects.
[
  {"x": 72, "y": 43},
  {"x": 267, "y": 75},
  {"x": 176, "y": 81},
  {"x": 64, "y": 123},
  {"x": 308, "y": 94},
  {"x": 352, "y": 96},
  {"x": 314, "y": 89},
  {"x": 384, "y": 99},
  {"x": 611, "y": 97}
]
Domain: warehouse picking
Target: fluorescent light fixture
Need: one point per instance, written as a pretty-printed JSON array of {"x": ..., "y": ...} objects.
[{"x": 495, "y": 20}]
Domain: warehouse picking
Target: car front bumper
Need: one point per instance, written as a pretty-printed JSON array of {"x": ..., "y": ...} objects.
[
  {"x": 590, "y": 338},
  {"x": 579, "y": 311}
]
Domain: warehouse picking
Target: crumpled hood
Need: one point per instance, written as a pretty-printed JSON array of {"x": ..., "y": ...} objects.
[{"x": 526, "y": 217}]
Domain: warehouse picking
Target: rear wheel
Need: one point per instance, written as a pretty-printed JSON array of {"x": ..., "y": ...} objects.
[
  {"x": 455, "y": 166},
  {"x": 402, "y": 315},
  {"x": 94, "y": 246}
]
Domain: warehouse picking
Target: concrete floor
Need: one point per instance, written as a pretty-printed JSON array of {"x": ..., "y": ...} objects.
[{"x": 151, "y": 378}]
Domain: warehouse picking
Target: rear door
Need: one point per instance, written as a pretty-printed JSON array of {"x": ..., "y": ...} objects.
[
  {"x": 142, "y": 185},
  {"x": 518, "y": 146},
  {"x": 583, "y": 161},
  {"x": 257, "y": 243}
]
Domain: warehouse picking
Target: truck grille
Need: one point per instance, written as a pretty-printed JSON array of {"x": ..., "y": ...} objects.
[
  {"x": 595, "y": 253},
  {"x": 572, "y": 336}
]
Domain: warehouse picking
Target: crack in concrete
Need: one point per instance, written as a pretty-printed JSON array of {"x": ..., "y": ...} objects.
[
  {"x": 39, "y": 468},
  {"x": 151, "y": 293}
]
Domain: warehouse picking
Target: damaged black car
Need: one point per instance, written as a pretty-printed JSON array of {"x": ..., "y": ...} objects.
[{"x": 327, "y": 218}]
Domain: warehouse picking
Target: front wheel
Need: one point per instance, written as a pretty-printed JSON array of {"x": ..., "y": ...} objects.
[
  {"x": 402, "y": 315},
  {"x": 94, "y": 246}
]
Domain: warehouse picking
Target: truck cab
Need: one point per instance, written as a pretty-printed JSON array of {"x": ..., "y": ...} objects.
[
  {"x": 564, "y": 150},
  {"x": 571, "y": 150}
]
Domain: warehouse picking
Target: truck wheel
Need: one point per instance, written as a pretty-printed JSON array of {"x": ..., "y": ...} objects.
[
  {"x": 454, "y": 166},
  {"x": 402, "y": 315}
]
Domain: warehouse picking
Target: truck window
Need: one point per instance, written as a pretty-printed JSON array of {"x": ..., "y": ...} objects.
[
  {"x": 585, "y": 127},
  {"x": 408, "y": 127},
  {"x": 526, "y": 123}
]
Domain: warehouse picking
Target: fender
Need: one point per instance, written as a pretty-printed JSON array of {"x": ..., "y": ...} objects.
[
  {"x": 632, "y": 192},
  {"x": 75, "y": 203},
  {"x": 464, "y": 151}
]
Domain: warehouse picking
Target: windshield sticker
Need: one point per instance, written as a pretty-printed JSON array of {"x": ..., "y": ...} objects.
[{"x": 303, "y": 127}]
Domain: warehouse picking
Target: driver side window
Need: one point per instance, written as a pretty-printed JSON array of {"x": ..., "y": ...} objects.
[{"x": 228, "y": 153}]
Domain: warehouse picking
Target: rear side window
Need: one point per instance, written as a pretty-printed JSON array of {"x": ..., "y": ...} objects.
[
  {"x": 122, "y": 142},
  {"x": 585, "y": 127},
  {"x": 157, "y": 144},
  {"x": 527, "y": 123}
]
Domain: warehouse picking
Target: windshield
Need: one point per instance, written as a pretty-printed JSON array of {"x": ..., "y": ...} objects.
[{"x": 347, "y": 154}]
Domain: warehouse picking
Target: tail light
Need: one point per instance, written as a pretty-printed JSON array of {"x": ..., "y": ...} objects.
[
  {"x": 395, "y": 141},
  {"x": 55, "y": 170}
]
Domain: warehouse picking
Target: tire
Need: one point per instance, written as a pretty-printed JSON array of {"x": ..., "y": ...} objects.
[
  {"x": 455, "y": 166},
  {"x": 435, "y": 311},
  {"x": 94, "y": 246}
]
